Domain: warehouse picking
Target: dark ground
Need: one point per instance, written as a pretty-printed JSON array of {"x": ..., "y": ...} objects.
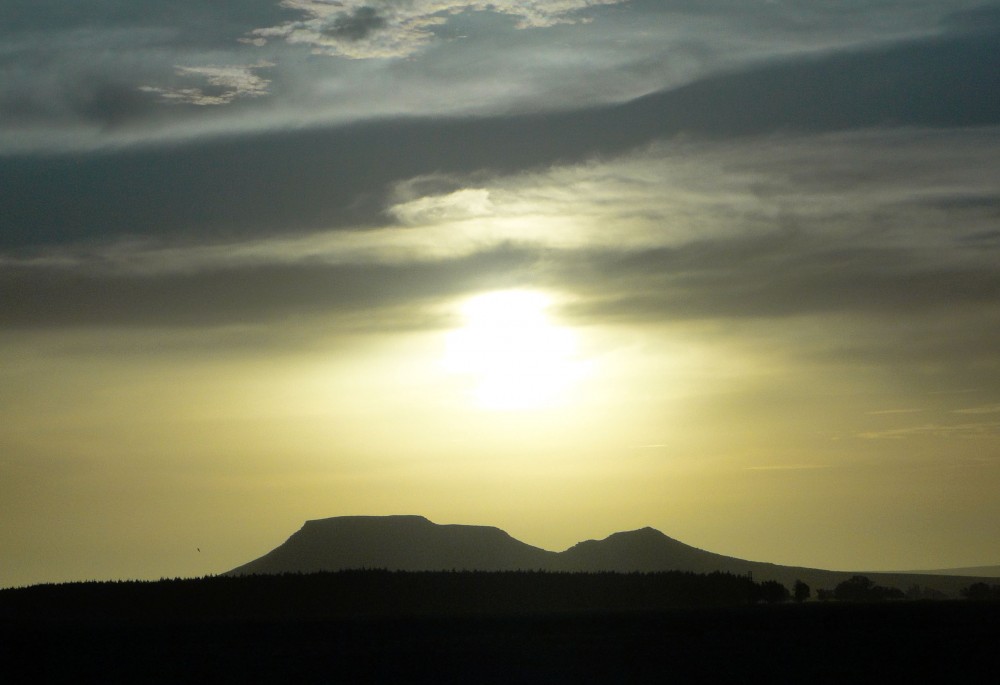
[{"x": 816, "y": 642}]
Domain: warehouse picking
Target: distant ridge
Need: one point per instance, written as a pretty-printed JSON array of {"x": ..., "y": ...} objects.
[
  {"x": 968, "y": 571},
  {"x": 413, "y": 543}
]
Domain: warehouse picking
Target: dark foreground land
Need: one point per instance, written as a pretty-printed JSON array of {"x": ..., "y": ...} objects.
[{"x": 479, "y": 628}]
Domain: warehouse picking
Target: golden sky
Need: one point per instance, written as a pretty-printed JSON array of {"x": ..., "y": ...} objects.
[{"x": 561, "y": 268}]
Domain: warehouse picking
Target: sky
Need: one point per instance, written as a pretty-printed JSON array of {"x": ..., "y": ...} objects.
[{"x": 726, "y": 268}]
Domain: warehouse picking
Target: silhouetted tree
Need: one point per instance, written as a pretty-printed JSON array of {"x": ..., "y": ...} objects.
[
  {"x": 888, "y": 593},
  {"x": 772, "y": 592},
  {"x": 801, "y": 592},
  {"x": 981, "y": 591},
  {"x": 862, "y": 589},
  {"x": 857, "y": 589}
]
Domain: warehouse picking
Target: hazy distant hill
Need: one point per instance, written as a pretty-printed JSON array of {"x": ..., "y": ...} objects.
[
  {"x": 413, "y": 543},
  {"x": 967, "y": 571}
]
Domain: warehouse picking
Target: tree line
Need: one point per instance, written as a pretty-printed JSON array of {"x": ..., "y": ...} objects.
[{"x": 375, "y": 592}]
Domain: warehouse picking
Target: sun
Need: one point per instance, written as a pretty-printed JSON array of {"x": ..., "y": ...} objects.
[{"x": 516, "y": 357}]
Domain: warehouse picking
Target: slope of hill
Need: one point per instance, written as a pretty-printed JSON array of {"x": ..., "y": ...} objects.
[{"x": 413, "y": 543}]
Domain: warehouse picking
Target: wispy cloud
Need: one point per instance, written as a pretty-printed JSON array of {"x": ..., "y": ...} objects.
[
  {"x": 360, "y": 29},
  {"x": 986, "y": 429},
  {"x": 987, "y": 409},
  {"x": 883, "y": 412},
  {"x": 789, "y": 467},
  {"x": 225, "y": 84}
]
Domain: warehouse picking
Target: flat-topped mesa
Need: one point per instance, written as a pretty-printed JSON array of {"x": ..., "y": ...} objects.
[{"x": 398, "y": 543}]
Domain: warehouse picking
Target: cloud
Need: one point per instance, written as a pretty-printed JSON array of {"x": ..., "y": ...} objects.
[
  {"x": 398, "y": 28},
  {"x": 783, "y": 226},
  {"x": 72, "y": 78},
  {"x": 986, "y": 429},
  {"x": 355, "y": 26},
  {"x": 89, "y": 292},
  {"x": 226, "y": 83},
  {"x": 342, "y": 175},
  {"x": 788, "y": 467},
  {"x": 775, "y": 193},
  {"x": 987, "y": 409},
  {"x": 882, "y": 412}
]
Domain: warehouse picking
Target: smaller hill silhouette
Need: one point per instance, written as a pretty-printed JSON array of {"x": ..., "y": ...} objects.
[{"x": 645, "y": 550}]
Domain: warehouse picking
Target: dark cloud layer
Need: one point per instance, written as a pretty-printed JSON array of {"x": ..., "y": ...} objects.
[
  {"x": 781, "y": 275},
  {"x": 211, "y": 20},
  {"x": 338, "y": 178},
  {"x": 778, "y": 276},
  {"x": 46, "y": 296}
]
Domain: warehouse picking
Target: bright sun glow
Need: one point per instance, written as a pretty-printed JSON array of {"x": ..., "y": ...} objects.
[{"x": 517, "y": 358}]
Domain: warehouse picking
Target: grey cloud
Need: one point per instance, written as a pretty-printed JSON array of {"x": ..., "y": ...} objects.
[
  {"x": 341, "y": 177},
  {"x": 356, "y": 25},
  {"x": 97, "y": 100},
  {"x": 630, "y": 49},
  {"x": 79, "y": 67},
  {"x": 113, "y": 104},
  {"x": 193, "y": 19},
  {"x": 940, "y": 82},
  {"x": 40, "y": 85},
  {"x": 785, "y": 274},
  {"x": 926, "y": 316},
  {"x": 985, "y": 17},
  {"x": 88, "y": 295},
  {"x": 963, "y": 202}
]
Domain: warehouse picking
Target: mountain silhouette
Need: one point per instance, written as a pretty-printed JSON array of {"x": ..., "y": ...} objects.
[
  {"x": 399, "y": 543},
  {"x": 646, "y": 549},
  {"x": 413, "y": 543}
]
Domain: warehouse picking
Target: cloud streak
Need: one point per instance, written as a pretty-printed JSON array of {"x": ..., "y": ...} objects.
[{"x": 984, "y": 429}]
